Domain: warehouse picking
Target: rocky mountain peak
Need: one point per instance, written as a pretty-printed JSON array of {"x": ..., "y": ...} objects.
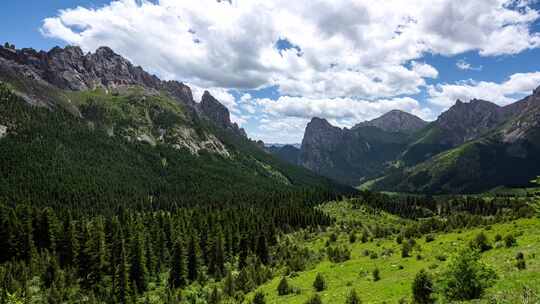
[
  {"x": 213, "y": 109},
  {"x": 319, "y": 123},
  {"x": 467, "y": 121},
  {"x": 218, "y": 113},
  {"x": 395, "y": 121},
  {"x": 105, "y": 51},
  {"x": 320, "y": 133}
]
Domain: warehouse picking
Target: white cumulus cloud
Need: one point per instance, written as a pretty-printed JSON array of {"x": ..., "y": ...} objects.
[{"x": 521, "y": 84}]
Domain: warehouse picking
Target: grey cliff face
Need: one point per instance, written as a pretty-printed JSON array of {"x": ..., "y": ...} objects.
[
  {"x": 525, "y": 122},
  {"x": 468, "y": 121},
  {"x": 219, "y": 114},
  {"x": 395, "y": 121},
  {"x": 320, "y": 140},
  {"x": 215, "y": 110},
  {"x": 70, "y": 69}
]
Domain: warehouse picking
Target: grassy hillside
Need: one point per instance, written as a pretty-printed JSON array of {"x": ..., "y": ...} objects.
[{"x": 397, "y": 273}]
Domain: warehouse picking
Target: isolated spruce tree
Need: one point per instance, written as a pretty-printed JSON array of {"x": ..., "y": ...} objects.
[
  {"x": 352, "y": 237},
  {"x": 481, "y": 242},
  {"x": 509, "y": 241},
  {"x": 178, "y": 272},
  {"x": 150, "y": 258},
  {"x": 319, "y": 284},
  {"x": 352, "y": 297},
  {"x": 258, "y": 298},
  {"x": 365, "y": 237},
  {"x": 86, "y": 259},
  {"x": 520, "y": 261},
  {"x": 27, "y": 250},
  {"x": 314, "y": 299},
  {"x": 405, "y": 248},
  {"x": 283, "y": 287},
  {"x": 422, "y": 288},
  {"x": 376, "y": 274}
]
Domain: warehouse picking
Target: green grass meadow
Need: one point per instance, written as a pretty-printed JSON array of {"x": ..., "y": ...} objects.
[{"x": 397, "y": 273}]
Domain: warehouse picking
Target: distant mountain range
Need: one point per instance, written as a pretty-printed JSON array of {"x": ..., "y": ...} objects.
[{"x": 471, "y": 147}]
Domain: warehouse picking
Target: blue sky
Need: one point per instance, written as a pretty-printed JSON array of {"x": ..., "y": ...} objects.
[{"x": 275, "y": 65}]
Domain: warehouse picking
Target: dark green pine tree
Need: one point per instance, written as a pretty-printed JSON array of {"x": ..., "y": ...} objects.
[
  {"x": 151, "y": 260},
  {"x": 137, "y": 271},
  {"x": 178, "y": 272},
  {"x": 27, "y": 249},
  {"x": 229, "y": 284},
  {"x": 47, "y": 230},
  {"x": 262, "y": 250},
  {"x": 217, "y": 260},
  {"x": 193, "y": 259},
  {"x": 244, "y": 282},
  {"x": 244, "y": 252},
  {"x": 70, "y": 245},
  {"x": 214, "y": 297},
  {"x": 121, "y": 286},
  {"x": 99, "y": 250},
  {"x": 52, "y": 271},
  {"x": 84, "y": 261},
  {"x": 422, "y": 288},
  {"x": 92, "y": 254}
]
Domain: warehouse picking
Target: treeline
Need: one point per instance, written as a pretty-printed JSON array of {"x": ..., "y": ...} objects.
[{"x": 416, "y": 207}]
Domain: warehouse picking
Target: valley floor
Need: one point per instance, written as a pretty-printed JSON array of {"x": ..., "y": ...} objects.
[{"x": 397, "y": 273}]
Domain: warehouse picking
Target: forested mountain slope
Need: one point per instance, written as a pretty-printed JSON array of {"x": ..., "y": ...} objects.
[{"x": 96, "y": 131}]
